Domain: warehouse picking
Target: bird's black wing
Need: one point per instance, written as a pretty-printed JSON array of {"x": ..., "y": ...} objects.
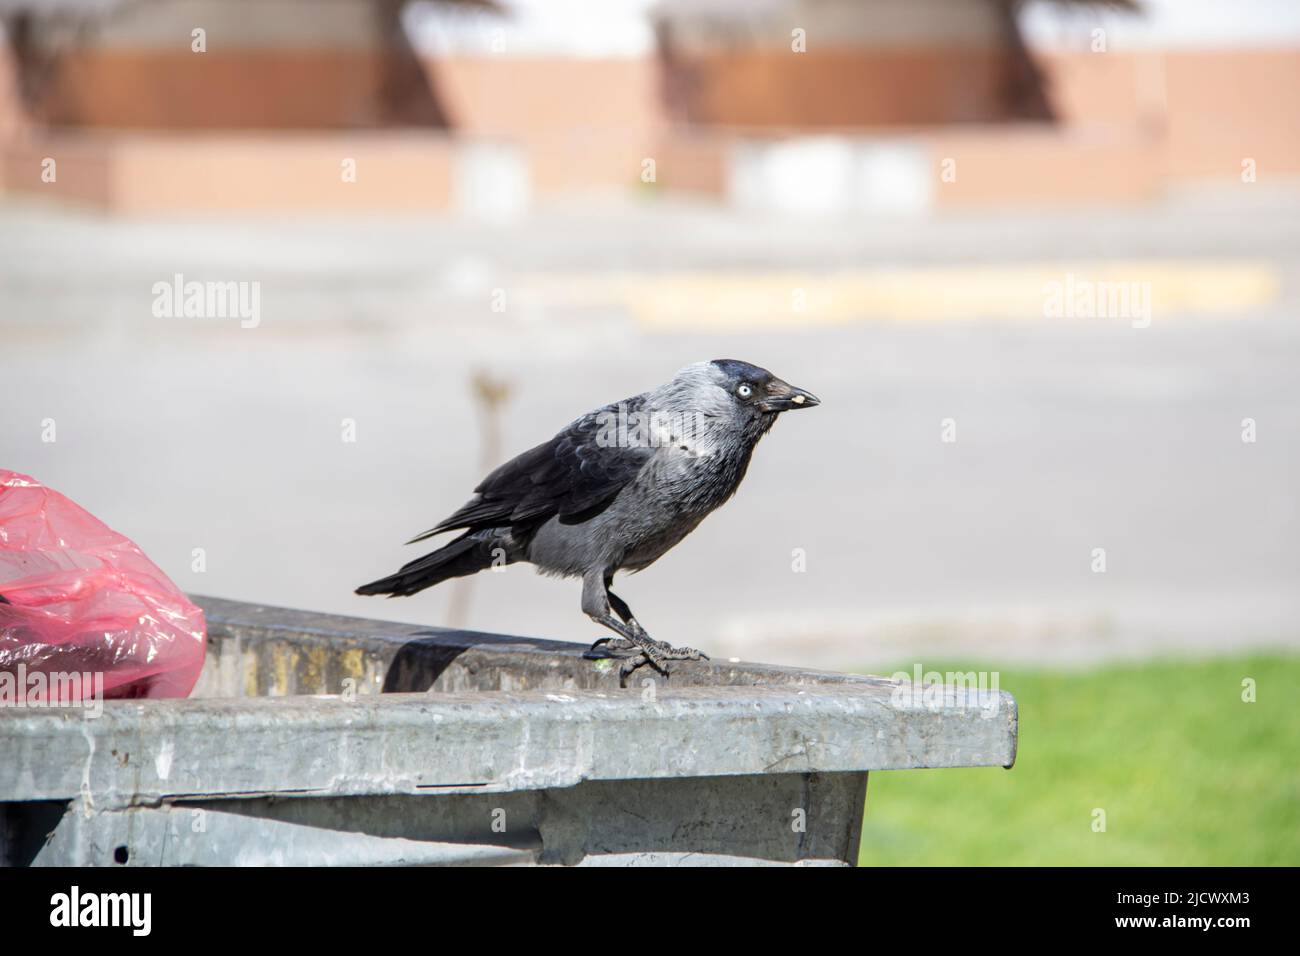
[{"x": 575, "y": 475}]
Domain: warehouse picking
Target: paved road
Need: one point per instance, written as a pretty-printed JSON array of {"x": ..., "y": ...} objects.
[{"x": 1070, "y": 434}]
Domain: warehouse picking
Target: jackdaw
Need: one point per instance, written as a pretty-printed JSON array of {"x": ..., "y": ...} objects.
[{"x": 612, "y": 492}]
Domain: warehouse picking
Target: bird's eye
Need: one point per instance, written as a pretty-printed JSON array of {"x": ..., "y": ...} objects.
[{"x": 744, "y": 391}]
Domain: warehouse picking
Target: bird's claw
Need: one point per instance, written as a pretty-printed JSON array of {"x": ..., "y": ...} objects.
[
  {"x": 633, "y": 664},
  {"x": 654, "y": 653},
  {"x": 682, "y": 654},
  {"x": 613, "y": 644},
  {"x": 665, "y": 651}
]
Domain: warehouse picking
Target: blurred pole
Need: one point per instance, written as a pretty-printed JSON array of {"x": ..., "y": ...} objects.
[{"x": 490, "y": 396}]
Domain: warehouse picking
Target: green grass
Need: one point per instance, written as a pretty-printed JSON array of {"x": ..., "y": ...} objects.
[{"x": 1187, "y": 773}]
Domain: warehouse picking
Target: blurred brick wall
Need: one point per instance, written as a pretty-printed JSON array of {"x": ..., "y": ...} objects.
[
  {"x": 247, "y": 89},
  {"x": 1130, "y": 124},
  {"x": 146, "y": 174},
  {"x": 587, "y": 123},
  {"x": 841, "y": 88},
  {"x": 1210, "y": 108}
]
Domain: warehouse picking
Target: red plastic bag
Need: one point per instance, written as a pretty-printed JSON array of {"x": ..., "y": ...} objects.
[{"x": 77, "y": 598}]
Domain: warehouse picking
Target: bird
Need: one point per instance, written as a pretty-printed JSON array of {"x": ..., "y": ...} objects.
[{"x": 613, "y": 491}]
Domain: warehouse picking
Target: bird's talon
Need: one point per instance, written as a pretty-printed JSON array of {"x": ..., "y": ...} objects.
[
  {"x": 612, "y": 644},
  {"x": 683, "y": 654},
  {"x": 633, "y": 664}
]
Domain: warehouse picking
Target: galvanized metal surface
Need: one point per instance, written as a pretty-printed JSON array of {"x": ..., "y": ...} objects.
[
  {"x": 293, "y": 755},
  {"x": 786, "y": 818}
]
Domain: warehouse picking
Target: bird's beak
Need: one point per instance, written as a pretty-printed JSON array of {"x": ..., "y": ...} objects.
[{"x": 784, "y": 397}]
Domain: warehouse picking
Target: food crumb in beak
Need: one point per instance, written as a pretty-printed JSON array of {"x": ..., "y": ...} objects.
[{"x": 798, "y": 399}]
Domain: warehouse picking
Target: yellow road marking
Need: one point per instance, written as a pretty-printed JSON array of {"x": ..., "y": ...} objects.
[{"x": 736, "y": 299}]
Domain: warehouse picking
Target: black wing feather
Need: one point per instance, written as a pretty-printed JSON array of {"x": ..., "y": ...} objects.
[{"x": 574, "y": 475}]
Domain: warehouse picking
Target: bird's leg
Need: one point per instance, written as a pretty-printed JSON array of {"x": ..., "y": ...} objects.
[
  {"x": 596, "y": 605},
  {"x": 623, "y": 611},
  {"x": 666, "y": 650},
  {"x": 663, "y": 651}
]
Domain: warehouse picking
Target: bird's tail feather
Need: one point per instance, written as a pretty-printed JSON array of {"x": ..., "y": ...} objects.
[{"x": 465, "y": 555}]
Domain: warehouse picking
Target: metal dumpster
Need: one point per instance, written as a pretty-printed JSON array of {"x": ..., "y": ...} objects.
[{"x": 316, "y": 739}]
